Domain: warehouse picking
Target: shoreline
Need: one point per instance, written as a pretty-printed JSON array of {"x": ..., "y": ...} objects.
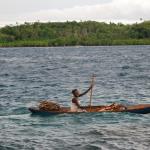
[
  {"x": 77, "y": 46},
  {"x": 46, "y": 43}
]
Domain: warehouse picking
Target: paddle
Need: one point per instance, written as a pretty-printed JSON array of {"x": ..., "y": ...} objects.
[{"x": 91, "y": 94}]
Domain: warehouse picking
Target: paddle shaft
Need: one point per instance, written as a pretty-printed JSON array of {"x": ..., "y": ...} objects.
[{"x": 91, "y": 94}]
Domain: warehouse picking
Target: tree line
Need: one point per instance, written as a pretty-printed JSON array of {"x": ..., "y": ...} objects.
[{"x": 87, "y": 33}]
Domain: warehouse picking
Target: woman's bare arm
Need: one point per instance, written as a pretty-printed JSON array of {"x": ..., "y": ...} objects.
[
  {"x": 74, "y": 100},
  {"x": 86, "y": 91}
]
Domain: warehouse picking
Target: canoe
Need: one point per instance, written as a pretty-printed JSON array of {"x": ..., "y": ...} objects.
[{"x": 139, "y": 109}]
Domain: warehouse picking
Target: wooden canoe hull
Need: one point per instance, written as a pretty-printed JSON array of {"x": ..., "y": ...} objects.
[{"x": 139, "y": 109}]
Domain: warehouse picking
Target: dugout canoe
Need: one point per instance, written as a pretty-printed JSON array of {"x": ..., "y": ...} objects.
[{"x": 139, "y": 109}]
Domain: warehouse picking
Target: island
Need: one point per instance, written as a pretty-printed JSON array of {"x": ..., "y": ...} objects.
[{"x": 73, "y": 33}]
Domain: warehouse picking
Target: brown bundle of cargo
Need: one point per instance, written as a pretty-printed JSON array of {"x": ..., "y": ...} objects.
[
  {"x": 49, "y": 106},
  {"x": 113, "y": 107}
]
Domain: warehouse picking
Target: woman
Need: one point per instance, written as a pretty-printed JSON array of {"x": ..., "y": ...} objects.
[{"x": 75, "y": 104}]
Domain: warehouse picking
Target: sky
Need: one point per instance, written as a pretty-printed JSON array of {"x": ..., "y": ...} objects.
[{"x": 123, "y": 11}]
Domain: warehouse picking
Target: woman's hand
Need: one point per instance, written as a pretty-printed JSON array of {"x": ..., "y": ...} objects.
[
  {"x": 92, "y": 82},
  {"x": 92, "y": 85}
]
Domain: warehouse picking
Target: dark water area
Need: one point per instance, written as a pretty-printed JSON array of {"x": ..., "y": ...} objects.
[{"x": 28, "y": 75}]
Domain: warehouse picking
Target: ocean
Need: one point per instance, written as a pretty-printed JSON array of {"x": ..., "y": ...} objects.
[{"x": 29, "y": 75}]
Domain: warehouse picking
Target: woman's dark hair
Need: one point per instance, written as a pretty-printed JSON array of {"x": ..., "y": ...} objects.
[{"x": 73, "y": 91}]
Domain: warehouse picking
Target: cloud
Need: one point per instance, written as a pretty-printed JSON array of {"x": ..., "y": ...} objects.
[
  {"x": 126, "y": 11},
  {"x": 117, "y": 10}
]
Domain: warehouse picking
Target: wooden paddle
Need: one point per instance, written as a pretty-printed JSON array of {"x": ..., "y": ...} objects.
[{"x": 91, "y": 94}]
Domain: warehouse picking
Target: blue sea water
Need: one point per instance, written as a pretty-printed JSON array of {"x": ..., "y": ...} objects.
[{"x": 28, "y": 75}]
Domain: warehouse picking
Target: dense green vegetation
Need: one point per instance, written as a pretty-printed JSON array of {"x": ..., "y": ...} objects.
[{"x": 75, "y": 33}]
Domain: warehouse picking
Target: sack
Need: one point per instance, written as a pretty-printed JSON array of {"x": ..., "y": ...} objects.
[{"x": 49, "y": 106}]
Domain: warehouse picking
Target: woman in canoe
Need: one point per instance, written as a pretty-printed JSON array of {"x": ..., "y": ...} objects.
[{"x": 75, "y": 104}]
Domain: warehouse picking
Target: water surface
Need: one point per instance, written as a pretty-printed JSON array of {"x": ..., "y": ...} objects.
[{"x": 28, "y": 75}]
